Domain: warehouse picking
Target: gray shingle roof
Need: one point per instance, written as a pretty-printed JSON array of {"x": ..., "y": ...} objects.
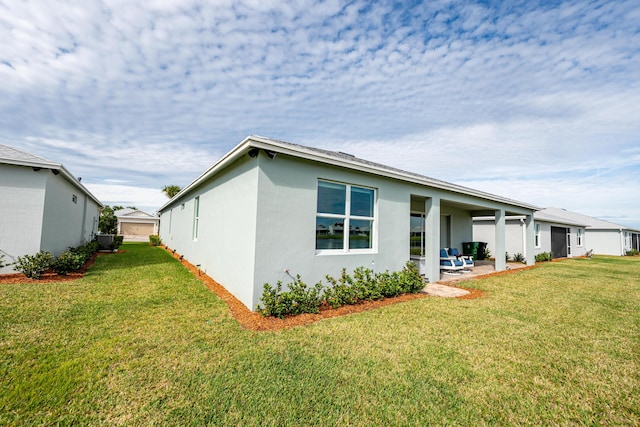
[
  {"x": 14, "y": 156},
  {"x": 590, "y": 222}
]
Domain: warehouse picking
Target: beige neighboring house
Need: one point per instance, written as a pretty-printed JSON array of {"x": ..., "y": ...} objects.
[{"x": 135, "y": 224}]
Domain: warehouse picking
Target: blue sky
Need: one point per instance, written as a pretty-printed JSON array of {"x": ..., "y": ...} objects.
[{"x": 537, "y": 101}]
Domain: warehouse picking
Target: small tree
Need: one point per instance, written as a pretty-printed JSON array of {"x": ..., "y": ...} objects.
[
  {"x": 171, "y": 190},
  {"x": 108, "y": 223}
]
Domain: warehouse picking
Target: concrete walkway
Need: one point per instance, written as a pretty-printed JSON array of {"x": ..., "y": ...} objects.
[{"x": 440, "y": 290}]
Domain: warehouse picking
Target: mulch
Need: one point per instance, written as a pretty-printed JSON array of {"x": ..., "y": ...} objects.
[
  {"x": 50, "y": 276},
  {"x": 250, "y": 320}
]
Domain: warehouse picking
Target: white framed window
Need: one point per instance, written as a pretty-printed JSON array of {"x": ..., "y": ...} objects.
[
  {"x": 579, "y": 237},
  {"x": 345, "y": 218},
  {"x": 196, "y": 217},
  {"x": 416, "y": 235},
  {"x": 537, "y": 235}
]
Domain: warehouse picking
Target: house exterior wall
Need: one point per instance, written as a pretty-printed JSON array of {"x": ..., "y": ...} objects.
[
  {"x": 285, "y": 240},
  {"x": 225, "y": 245},
  {"x": 257, "y": 223},
  {"x": 484, "y": 231},
  {"x": 605, "y": 242},
  {"x": 22, "y": 192},
  {"x": 286, "y": 224},
  {"x": 66, "y": 223}
]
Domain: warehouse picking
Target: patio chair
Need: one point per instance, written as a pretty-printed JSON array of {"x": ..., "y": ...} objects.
[
  {"x": 466, "y": 259},
  {"x": 450, "y": 265}
]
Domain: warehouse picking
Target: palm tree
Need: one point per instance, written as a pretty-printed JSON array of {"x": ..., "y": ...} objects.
[{"x": 171, "y": 190}]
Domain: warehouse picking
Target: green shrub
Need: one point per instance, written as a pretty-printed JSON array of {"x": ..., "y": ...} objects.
[
  {"x": 341, "y": 292},
  {"x": 518, "y": 257},
  {"x": 2, "y": 264},
  {"x": 506, "y": 256},
  {"x": 117, "y": 241},
  {"x": 544, "y": 256},
  {"x": 347, "y": 290},
  {"x": 487, "y": 253},
  {"x": 154, "y": 240},
  {"x": 297, "y": 300},
  {"x": 33, "y": 266},
  {"x": 86, "y": 250},
  {"x": 633, "y": 252},
  {"x": 67, "y": 262},
  {"x": 410, "y": 279}
]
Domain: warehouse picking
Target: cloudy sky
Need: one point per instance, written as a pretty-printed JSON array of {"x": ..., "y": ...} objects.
[{"x": 537, "y": 101}]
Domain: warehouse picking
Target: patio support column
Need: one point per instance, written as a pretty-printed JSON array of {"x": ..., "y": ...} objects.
[
  {"x": 432, "y": 239},
  {"x": 530, "y": 256},
  {"x": 500, "y": 248}
]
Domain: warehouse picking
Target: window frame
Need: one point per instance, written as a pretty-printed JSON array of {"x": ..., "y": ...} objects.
[
  {"x": 346, "y": 219},
  {"x": 536, "y": 235},
  {"x": 196, "y": 217},
  {"x": 578, "y": 237}
]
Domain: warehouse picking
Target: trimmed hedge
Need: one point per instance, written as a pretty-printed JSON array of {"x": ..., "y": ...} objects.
[
  {"x": 32, "y": 266},
  {"x": 365, "y": 285}
]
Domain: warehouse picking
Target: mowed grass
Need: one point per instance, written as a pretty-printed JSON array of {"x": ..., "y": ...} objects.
[{"x": 140, "y": 341}]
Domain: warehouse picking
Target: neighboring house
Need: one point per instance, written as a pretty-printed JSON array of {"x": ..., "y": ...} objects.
[
  {"x": 136, "y": 223},
  {"x": 270, "y": 210},
  {"x": 43, "y": 207},
  {"x": 563, "y": 237},
  {"x": 564, "y": 233},
  {"x": 603, "y": 237}
]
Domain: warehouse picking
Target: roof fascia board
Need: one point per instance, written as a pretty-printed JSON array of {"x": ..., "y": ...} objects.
[{"x": 32, "y": 164}]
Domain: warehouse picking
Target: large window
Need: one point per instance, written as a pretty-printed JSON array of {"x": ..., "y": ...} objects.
[{"x": 345, "y": 217}]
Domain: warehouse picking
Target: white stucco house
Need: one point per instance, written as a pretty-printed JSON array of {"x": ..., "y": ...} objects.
[
  {"x": 604, "y": 237},
  {"x": 269, "y": 210},
  {"x": 44, "y": 207},
  {"x": 563, "y": 237},
  {"x": 134, "y": 223},
  {"x": 564, "y": 233}
]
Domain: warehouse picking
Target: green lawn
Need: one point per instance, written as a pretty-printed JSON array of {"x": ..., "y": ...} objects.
[{"x": 139, "y": 341}]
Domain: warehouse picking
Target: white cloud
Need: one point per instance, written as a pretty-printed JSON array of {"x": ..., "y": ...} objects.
[
  {"x": 152, "y": 93},
  {"x": 146, "y": 199}
]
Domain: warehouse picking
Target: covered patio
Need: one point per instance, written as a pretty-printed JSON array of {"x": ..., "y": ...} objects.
[
  {"x": 482, "y": 268},
  {"x": 447, "y": 222}
]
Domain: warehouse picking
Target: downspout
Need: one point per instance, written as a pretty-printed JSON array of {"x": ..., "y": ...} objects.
[{"x": 524, "y": 238}]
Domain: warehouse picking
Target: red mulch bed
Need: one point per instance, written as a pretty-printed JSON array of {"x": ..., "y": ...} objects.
[{"x": 50, "y": 276}]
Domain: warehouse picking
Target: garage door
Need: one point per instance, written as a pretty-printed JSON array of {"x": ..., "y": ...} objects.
[{"x": 136, "y": 229}]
